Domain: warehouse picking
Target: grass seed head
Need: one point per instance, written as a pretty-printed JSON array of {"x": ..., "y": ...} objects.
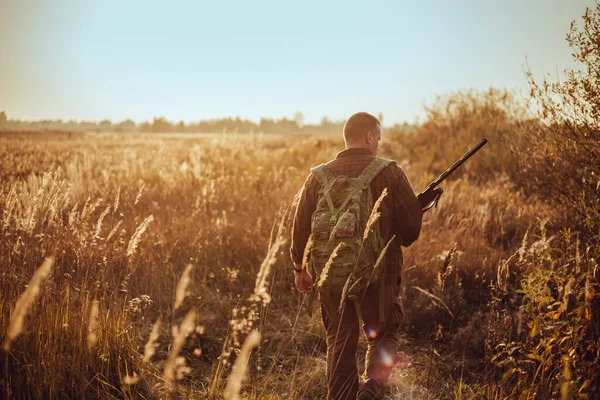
[
  {"x": 179, "y": 335},
  {"x": 151, "y": 344},
  {"x": 137, "y": 236},
  {"x": 238, "y": 373},
  {"x": 24, "y": 303},
  {"x": 92, "y": 336},
  {"x": 181, "y": 290},
  {"x": 375, "y": 214}
]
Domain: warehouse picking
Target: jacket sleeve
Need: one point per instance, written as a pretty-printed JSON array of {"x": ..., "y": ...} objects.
[
  {"x": 408, "y": 216},
  {"x": 307, "y": 204}
]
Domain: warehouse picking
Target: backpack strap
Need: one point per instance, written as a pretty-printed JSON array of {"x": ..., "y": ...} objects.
[
  {"x": 323, "y": 175},
  {"x": 365, "y": 178},
  {"x": 325, "y": 179},
  {"x": 373, "y": 169}
]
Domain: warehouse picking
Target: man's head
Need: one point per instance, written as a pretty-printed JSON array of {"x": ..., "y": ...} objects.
[{"x": 364, "y": 131}]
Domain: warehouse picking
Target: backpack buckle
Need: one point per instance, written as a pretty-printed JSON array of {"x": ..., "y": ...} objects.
[{"x": 333, "y": 220}]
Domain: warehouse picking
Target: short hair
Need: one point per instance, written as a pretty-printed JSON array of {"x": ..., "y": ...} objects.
[{"x": 357, "y": 126}]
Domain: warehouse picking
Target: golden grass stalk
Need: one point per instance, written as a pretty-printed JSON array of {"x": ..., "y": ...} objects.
[
  {"x": 99, "y": 223},
  {"x": 351, "y": 284},
  {"x": 436, "y": 300},
  {"x": 306, "y": 254},
  {"x": 85, "y": 207},
  {"x": 357, "y": 275},
  {"x": 565, "y": 385},
  {"x": 117, "y": 198},
  {"x": 381, "y": 256},
  {"x": 52, "y": 208},
  {"x": 113, "y": 230},
  {"x": 151, "y": 344},
  {"x": 65, "y": 199},
  {"x": 523, "y": 249},
  {"x": 91, "y": 207},
  {"x": 447, "y": 268},
  {"x": 92, "y": 337},
  {"x": 33, "y": 208},
  {"x": 137, "y": 236},
  {"x": 328, "y": 264},
  {"x": 285, "y": 215},
  {"x": 130, "y": 380},
  {"x": 181, "y": 369},
  {"x": 375, "y": 214},
  {"x": 240, "y": 367},
  {"x": 10, "y": 203},
  {"x": 179, "y": 336},
  {"x": 139, "y": 195},
  {"x": 588, "y": 293},
  {"x": 260, "y": 286},
  {"x": 345, "y": 291},
  {"x": 182, "y": 285},
  {"x": 566, "y": 294},
  {"x": 73, "y": 215},
  {"x": 22, "y": 306}
]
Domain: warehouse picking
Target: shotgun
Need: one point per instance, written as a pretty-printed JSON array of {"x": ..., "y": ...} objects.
[{"x": 430, "y": 196}]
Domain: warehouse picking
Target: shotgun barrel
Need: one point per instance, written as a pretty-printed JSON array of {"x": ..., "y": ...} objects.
[
  {"x": 430, "y": 196},
  {"x": 457, "y": 164}
]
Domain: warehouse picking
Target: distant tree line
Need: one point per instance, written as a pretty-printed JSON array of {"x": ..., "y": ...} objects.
[{"x": 161, "y": 124}]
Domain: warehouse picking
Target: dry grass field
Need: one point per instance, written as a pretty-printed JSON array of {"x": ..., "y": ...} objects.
[
  {"x": 156, "y": 265},
  {"x": 123, "y": 217},
  {"x": 163, "y": 253}
]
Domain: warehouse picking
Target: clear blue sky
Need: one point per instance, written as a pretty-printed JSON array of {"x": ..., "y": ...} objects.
[{"x": 191, "y": 60}]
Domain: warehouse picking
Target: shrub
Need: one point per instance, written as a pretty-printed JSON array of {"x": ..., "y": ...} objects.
[
  {"x": 549, "y": 343},
  {"x": 562, "y": 159}
]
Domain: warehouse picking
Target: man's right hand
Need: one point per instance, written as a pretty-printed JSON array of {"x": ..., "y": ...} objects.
[
  {"x": 429, "y": 198},
  {"x": 303, "y": 280}
]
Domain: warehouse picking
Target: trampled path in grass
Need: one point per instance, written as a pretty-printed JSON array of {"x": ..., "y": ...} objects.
[{"x": 419, "y": 373}]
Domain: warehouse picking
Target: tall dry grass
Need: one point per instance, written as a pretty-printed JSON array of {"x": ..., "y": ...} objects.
[
  {"x": 22, "y": 306},
  {"x": 169, "y": 252},
  {"x": 124, "y": 216}
]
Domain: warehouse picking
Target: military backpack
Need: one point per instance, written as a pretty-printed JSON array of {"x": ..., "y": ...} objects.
[{"x": 339, "y": 226}]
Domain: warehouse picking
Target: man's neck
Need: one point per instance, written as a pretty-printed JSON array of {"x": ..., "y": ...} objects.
[{"x": 352, "y": 147}]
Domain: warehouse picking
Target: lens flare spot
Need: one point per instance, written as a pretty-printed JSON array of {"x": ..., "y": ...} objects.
[
  {"x": 371, "y": 333},
  {"x": 386, "y": 357}
]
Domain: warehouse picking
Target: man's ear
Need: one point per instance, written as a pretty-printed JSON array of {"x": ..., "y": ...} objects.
[{"x": 369, "y": 137}]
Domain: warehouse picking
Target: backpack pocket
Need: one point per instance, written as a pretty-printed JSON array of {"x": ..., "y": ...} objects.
[
  {"x": 346, "y": 226},
  {"x": 321, "y": 229}
]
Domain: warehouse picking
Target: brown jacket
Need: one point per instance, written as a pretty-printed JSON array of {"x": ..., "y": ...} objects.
[{"x": 400, "y": 210}]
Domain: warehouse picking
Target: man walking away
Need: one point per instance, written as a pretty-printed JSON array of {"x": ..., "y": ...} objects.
[{"x": 337, "y": 219}]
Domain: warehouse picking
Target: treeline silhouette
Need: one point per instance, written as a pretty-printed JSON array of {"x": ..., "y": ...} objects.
[{"x": 161, "y": 124}]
